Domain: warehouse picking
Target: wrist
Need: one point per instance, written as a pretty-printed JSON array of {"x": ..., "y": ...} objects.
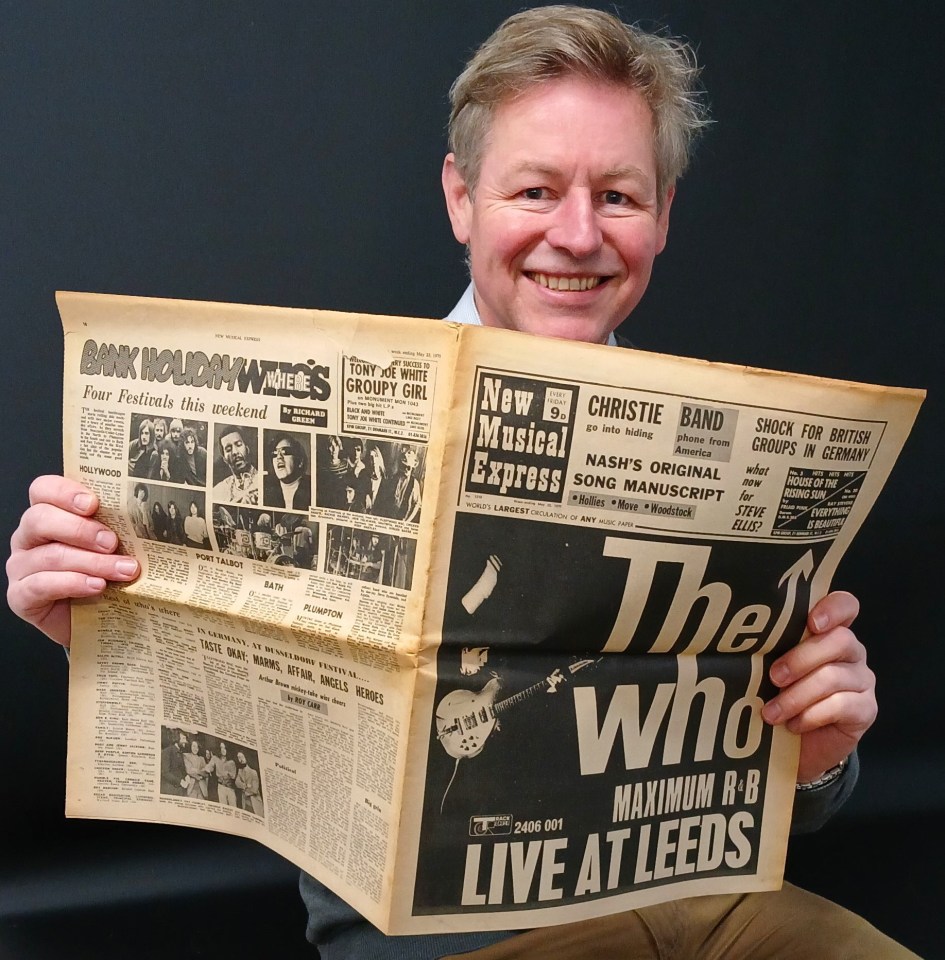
[{"x": 825, "y": 779}]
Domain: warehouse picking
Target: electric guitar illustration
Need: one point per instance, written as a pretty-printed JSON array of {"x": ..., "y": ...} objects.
[{"x": 465, "y": 719}]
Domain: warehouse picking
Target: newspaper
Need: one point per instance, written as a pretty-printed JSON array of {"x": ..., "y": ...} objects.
[{"x": 472, "y": 626}]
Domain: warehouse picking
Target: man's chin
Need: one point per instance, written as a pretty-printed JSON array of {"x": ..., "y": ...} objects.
[{"x": 567, "y": 328}]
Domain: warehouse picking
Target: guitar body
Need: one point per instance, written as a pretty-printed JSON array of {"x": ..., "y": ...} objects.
[{"x": 465, "y": 719}]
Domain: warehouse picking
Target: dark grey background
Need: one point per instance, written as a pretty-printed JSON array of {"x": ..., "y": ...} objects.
[{"x": 289, "y": 153}]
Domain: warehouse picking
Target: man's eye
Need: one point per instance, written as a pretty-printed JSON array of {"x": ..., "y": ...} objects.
[
  {"x": 534, "y": 193},
  {"x": 615, "y": 198}
]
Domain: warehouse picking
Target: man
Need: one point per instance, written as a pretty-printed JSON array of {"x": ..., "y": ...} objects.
[
  {"x": 196, "y": 768},
  {"x": 160, "y": 430},
  {"x": 173, "y": 769},
  {"x": 369, "y": 559},
  {"x": 287, "y": 482},
  {"x": 568, "y": 133},
  {"x": 175, "y": 431},
  {"x": 192, "y": 459},
  {"x": 241, "y": 484},
  {"x": 247, "y": 781},
  {"x": 140, "y": 449},
  {"x": 400, "y": 494},
  {"x": 225, "y": 772},
  {"x": 140, "y": 514},
  {"x": 161, "y": 465}
]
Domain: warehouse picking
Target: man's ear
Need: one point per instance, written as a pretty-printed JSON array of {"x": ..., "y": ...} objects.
[
  {"x": 662, "y": 220},
  {"x": 458, "y": 201}
]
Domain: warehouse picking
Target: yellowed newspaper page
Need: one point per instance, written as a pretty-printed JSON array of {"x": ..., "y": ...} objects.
[
  {"x": 276, "y": 473},
  {"x": 624, "y": 543}
]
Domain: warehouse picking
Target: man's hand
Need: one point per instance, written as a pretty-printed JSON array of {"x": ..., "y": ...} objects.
[
  {"x": 60, "y": 552},
  {"x": 827, "y": 691}
]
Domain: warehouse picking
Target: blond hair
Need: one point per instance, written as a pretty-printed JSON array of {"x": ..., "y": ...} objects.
[{"x": 547, "y": 43}]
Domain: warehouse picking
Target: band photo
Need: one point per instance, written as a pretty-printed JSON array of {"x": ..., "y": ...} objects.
[
  {"x": 376, "y": 477},
  {"x": 204, "y": 767},
  {"x": 283, "y": 539},
  {"x": 370, "y": 556},
  {"x": 171, "y": 450},
  {"x": 169, "y": 515}
]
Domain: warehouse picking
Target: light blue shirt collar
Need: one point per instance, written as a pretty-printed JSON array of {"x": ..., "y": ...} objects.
[{"x": 466, "y": 312}]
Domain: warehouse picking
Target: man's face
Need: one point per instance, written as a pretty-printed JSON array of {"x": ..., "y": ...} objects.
[
  {"x": 176, "y": 431},
  {"x": 241, "y": 760},
  {"x": 222, "y": 749},
  {"x": 182, "y": 741},
  {"x": 234, "y": 451},
  {"x": 159, "y": 429},
  {"x": 194, "y": 747},
  {"x": 190, "y": 444},
  {"x": 565, "y": 224},
  {"x": 286, "y": 464}
]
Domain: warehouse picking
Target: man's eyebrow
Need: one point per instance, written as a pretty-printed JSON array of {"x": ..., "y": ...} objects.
[
  {"x": 539, "y": 169},
  {"x": 628, "y": 172}
]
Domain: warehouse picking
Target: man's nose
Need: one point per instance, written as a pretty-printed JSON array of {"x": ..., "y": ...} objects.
[{"x": 575, "y": 227}]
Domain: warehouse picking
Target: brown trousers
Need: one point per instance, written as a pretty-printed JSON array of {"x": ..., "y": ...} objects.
[{"x": 788, "y": 924}]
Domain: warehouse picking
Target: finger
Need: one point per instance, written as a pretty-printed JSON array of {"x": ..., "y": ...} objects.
[
  {"x": 58, "y": 557},
  {"x": 32, "y": 596},
  {"x": 848, "y": 712},
  {"x": 63, "y": 493},
  {"x": 834, "y": 679},
  {"x": 838, "y": 646},
  {"x": 47, "y": 523},
  {"x": 837, "y": 609}
]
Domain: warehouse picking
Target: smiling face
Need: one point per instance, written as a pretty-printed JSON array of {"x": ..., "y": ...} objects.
[{"x": 565, "y": 222}]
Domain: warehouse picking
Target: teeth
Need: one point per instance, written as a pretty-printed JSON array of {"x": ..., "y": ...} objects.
[{"x": 566, "y": 283}]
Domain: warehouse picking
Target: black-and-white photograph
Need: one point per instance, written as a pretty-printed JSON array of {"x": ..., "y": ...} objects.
[
  {"x": 754, "y": 184},
  {"x": 168, "y": 514},
  {"x": 269, "y": 536},
  {"x": 203, "y": 767},
  {"x": 235, "y": 458},
  {"x": 370, "y": 476},
  {"x": 171, "y": 450},
  {"x": 287, "y": 478},
  {"x": 370, "y": 556}
]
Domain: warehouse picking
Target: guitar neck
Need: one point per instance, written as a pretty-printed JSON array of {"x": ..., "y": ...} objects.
[
  {"x": 550, "y": 682},
  {"x": 521, "y": 696}
]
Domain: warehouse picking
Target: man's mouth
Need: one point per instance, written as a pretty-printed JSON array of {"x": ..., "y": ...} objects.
[{"x": 555, "y": 282}]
